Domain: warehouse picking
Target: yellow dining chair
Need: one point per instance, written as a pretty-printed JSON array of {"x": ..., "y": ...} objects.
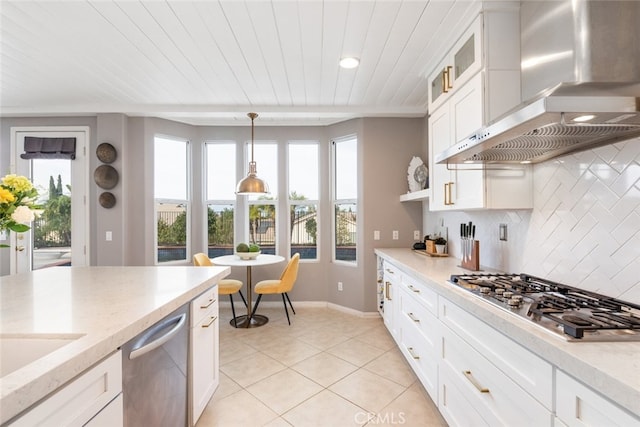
[
  {"x": 281, "y": 286},
  {"x": 225, "y": 286}
]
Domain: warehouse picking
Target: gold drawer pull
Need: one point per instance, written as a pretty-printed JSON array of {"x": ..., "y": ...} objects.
[
  {"x": 474, "y": 382},
  {"x": 414, "y": 289},
  {"x": 386, "y": 292},
  {"x": 213, "y": 319},
  {"x": 211, "y": 301},
  {"x": 410, "y": 350},
  {"x": 412, "y": 317}
]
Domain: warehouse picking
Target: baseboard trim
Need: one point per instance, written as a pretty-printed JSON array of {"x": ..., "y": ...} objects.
[{"x": 307, "y": 304}]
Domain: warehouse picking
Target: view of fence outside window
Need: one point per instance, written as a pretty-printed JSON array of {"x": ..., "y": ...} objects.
[
  {"x": 221, "y": 197},
  {"x": 262, "y": 208},
  {"x": 303, "y": 198},
  {"x": 171, "y": 193},
  {"x": 345, "y": 191},
  {"x": 52, "y": 230}
]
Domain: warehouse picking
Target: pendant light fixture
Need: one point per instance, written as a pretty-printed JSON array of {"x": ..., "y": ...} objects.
[{"x": 251, "y": 184}]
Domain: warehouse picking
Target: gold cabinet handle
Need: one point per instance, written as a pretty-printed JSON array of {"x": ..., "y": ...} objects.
[
  {"x": 448, "y": 77},
  {"x": 387, "y": 295},
  {"x": 211, "y": 301},
  {"x": 417, "y": 291},
  {"x": 447, "y": 193},
  {"x": 19, "y": 248},
  {"x": 473, "y": 381},
  {"x": 412, "y": 353},
  {"x": 412, "y": 317},
  {"x": 213, "y": 319}
]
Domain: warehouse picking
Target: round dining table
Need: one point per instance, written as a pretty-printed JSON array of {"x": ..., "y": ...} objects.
[{"x": 256, "y": 320}]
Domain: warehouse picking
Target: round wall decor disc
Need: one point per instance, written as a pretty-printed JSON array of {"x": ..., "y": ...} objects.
[
  {"x": 106, "y": 177},
  {"x": 107, "y": 200},
  {"x": 106, "y": 153}
]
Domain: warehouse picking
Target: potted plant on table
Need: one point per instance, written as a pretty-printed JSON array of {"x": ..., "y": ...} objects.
[{"x": 441, "y": 245}]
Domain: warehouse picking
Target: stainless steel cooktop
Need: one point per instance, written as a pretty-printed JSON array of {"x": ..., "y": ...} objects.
[{"x": 568, "y": 312}]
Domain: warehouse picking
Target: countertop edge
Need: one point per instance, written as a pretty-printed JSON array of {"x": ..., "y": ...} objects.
[
  {"x": 87, "y": 352},
  {"x": 560, "y": 353}
]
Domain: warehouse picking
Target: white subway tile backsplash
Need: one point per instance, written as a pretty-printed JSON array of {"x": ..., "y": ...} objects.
[{"x": 584, "y": 229}]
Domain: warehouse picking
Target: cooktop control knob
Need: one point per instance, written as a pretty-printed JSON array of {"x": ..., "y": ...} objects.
[
  {"x": 514, "y": 302},
  {"x": 499, "y": 291},
  {"x": 508, "y": 295},
  {"x": 485, "y": 289}
]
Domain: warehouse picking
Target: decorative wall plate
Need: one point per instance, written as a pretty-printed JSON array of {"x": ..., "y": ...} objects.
[
  {"x": 106, "y": 153},
  {"x": 106, "y": 177},
  {"x": 417, "y": 174},
  {"x": 107, "y": 200}
]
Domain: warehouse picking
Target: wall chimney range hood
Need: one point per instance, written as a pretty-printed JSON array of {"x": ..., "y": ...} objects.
[{"x": 598, "y": 102}]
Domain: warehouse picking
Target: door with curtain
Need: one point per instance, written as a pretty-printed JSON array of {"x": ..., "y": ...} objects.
[{"x": 60, "y": 236}]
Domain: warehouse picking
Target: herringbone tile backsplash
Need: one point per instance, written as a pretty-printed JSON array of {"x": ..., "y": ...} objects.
[{"x": 584, "y": 229}]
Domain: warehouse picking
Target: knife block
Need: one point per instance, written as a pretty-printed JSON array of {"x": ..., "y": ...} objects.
[{"x": 473, "y": 262}]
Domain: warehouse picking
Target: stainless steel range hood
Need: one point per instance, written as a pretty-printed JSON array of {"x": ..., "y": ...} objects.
[{"x": 593, "y": 47}]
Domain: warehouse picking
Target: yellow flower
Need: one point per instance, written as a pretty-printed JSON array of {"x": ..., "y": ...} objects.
[
  {"x": 6, "y": 196},
  {"x": 18, "y": 183}
]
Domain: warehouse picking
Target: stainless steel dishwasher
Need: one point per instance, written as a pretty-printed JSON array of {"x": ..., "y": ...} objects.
[{"x": 154, "y": 373}]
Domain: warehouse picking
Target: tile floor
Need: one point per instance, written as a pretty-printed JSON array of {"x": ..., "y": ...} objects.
[{"x": 328, "y": 368}]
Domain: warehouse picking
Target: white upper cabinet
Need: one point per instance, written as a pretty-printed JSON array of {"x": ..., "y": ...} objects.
[
  {"x": 462, "y": 62},
  {"x": 477, "y": 81}
]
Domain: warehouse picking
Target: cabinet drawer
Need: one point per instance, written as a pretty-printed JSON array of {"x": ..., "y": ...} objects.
[
  {"x": 391, "y": 272},
  {"x": 422, "y": 351},
  {"x": 418, "y": 316},
  {"x": 452, "y": 404},
  {"x": 525, "y": 368},
  {"x": 422, "y": 292},
  {"x": 80, "y": 400},
  {"x": 579, "y": 405},
  {"x": 204, "y": 305},
  {"x": 498, "y": 399}
]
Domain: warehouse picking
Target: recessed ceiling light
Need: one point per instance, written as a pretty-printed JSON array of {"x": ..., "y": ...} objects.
[
  {"x": 584, "y": 118},
  {"x": 349, "y": 62}
]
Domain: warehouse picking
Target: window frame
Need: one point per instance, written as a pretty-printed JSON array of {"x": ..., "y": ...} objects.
[
  {"x": 335, "y": 201},
  {"x": 249, "y": 202},
  {"x": 207, "y": 202},
  {"x": 187, "y": 202},
  {"x": 309, "y": 202}
]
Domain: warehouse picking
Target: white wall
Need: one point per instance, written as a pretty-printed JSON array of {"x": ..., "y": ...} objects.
[{"x": 584, "y": 229}]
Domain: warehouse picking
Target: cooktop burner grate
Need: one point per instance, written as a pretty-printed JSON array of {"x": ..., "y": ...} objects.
[{"x": 573, "y": 312}]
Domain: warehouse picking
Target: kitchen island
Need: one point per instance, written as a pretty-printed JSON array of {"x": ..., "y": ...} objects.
[
  {"x": 94, "y": 310},
  {"x": 611, "y": 369}
]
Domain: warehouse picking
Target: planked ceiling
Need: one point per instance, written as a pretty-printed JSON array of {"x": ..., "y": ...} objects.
[{"x": 211, "y": 62}]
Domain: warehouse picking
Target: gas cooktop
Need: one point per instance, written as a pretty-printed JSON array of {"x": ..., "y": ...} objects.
[{"x": 574, "y": 314}]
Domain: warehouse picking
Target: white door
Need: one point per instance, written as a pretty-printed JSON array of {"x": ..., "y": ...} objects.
[{"x": 63, "y": 245}]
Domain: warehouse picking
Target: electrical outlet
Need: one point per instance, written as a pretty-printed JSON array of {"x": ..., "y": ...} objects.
[
  {"x": 108, "y": 236},
  {"x": 503, "y": 232},
  {"x": 376, "y": 234},
  {"x": 395, "y": 234},
  {"x": 339, "y": 286},
  {"x": 416, "y": 235}
]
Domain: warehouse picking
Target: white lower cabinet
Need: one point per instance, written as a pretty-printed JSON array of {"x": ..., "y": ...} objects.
[
  {"x": 204, "y": 352},
  {"x": 478, "y": 376},
  {"x": 420, "y": 336},
  {"x": 532, "y": 373},
  {"x": 578, "y": 406},
  {"x": 497, "y": 398},
  {"x": 392, "y": 280},
  {"x": 94, "y": 398}
]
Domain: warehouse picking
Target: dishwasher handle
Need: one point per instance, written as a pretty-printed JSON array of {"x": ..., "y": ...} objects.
[{"x": 142, "y": 346}]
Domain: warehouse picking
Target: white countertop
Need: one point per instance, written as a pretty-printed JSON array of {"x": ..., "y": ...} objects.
[
  {"x": 106, "y": 306},
  {"x": 611, "y": 368}
]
